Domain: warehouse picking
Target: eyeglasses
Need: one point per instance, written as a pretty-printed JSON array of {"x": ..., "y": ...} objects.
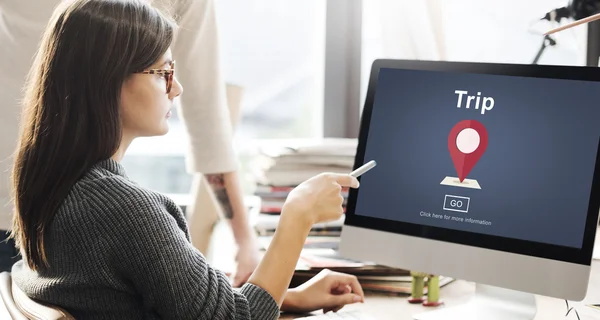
[{"x": 167, "y": 73}]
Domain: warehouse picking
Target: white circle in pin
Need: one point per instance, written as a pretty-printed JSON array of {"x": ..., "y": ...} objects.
[{"x": 467, "y": 140}]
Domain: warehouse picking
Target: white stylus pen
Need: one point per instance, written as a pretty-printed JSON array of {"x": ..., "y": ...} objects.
[{"x": 364, "y": 168}]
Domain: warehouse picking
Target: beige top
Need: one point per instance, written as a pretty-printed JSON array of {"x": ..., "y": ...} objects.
[{"x": 203, "y": 106}]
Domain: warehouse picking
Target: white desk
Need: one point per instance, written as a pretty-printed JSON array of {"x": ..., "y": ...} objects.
[
  {"x": 458, "y": 292},
  {"x": 397, "y": 308}
]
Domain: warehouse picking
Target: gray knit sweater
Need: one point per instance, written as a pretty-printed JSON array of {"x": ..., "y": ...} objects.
[{"x": 119, "y": 251}]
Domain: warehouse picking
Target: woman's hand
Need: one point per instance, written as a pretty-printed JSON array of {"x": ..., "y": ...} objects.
[
  {"x": 319, "y": 199},
  {"x": 327, "y": 290}
]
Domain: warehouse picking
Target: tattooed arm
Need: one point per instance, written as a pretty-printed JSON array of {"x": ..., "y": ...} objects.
[
  {"x": 222, "y": 192},
  {"x": 228, "y": 192}
]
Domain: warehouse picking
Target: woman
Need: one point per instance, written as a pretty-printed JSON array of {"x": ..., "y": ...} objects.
[{"x": 97, "y": 244}]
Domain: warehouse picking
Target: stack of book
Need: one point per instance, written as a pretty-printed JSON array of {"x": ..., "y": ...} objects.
[
  {"x": 285, "y": 163},
  {"x": 322, "y": 253},
  {"x": 281, "y": 165}
]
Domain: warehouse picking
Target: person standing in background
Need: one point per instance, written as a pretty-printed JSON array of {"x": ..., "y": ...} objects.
[
  {"x": 203, "y": 110},
  {"x": 206, "y": 117}
]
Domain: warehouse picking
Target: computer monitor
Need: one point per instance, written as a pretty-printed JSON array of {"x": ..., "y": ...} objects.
[{"x": 485, "y": 172}]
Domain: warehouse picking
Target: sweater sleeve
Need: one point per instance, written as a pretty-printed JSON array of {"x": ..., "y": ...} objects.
[{"x": 150, "y": 249}]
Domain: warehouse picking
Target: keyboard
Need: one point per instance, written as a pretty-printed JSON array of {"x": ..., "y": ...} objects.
[{"x": 341, "y": 315}]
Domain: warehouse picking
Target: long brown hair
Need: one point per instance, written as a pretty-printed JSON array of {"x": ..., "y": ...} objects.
[{"x": 71, "y": 118}]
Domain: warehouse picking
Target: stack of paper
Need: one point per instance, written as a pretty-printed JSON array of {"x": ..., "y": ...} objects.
[
  {"x": 281, "y": 165},
  {"x": 287, "y": 163},
  {"x": 267, "y": 223},
  {"x": 322, "y": 253}
]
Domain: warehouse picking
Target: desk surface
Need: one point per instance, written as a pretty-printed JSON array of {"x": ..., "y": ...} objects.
[
  {"x": 455, "y": 293},
  {"x": 458, "y": 292}
]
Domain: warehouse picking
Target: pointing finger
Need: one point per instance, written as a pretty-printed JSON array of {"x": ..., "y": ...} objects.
[{"x": 346, "y": 180}]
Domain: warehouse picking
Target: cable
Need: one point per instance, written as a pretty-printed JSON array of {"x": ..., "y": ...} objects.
[{"x": 569, "y": 309}]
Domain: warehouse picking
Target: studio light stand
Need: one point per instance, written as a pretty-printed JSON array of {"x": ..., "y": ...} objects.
[
  {"x": 593, "y": 44},
  {"x": 548, "y": 42},
  {"x": 576, "y": 10}
]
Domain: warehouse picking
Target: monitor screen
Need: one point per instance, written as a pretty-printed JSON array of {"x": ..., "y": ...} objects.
[{"x": 499, "y": 155}]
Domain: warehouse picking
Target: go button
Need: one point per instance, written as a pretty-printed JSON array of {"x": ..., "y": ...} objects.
[{"x": 456, "y": 203}]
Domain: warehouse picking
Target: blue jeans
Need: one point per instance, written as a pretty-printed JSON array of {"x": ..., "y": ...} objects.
[{"x": 8, "y": 253}]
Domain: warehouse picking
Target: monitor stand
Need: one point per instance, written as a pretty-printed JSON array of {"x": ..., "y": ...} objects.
[{"x": 490, "y": 303}]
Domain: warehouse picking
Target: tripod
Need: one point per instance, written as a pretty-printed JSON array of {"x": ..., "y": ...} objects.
[{"x": 548, "y": 41}]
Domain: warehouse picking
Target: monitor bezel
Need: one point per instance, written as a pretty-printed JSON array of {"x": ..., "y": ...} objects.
[{"x": 581, "y": 256}]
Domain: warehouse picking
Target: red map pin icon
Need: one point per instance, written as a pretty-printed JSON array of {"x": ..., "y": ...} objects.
[{"x": 467, "y": 143}]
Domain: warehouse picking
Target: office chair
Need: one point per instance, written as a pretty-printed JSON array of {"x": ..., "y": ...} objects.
[{"x": 17, "y": 305}]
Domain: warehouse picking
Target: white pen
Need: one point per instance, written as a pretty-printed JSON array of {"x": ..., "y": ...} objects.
[{"x": 364, "y": 168}]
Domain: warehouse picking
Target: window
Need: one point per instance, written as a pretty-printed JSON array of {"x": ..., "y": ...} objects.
[
  {"x": 464, "y": 30},
  {"x": 274, "y": 50},
  {"x": 507, "y": 31}
]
